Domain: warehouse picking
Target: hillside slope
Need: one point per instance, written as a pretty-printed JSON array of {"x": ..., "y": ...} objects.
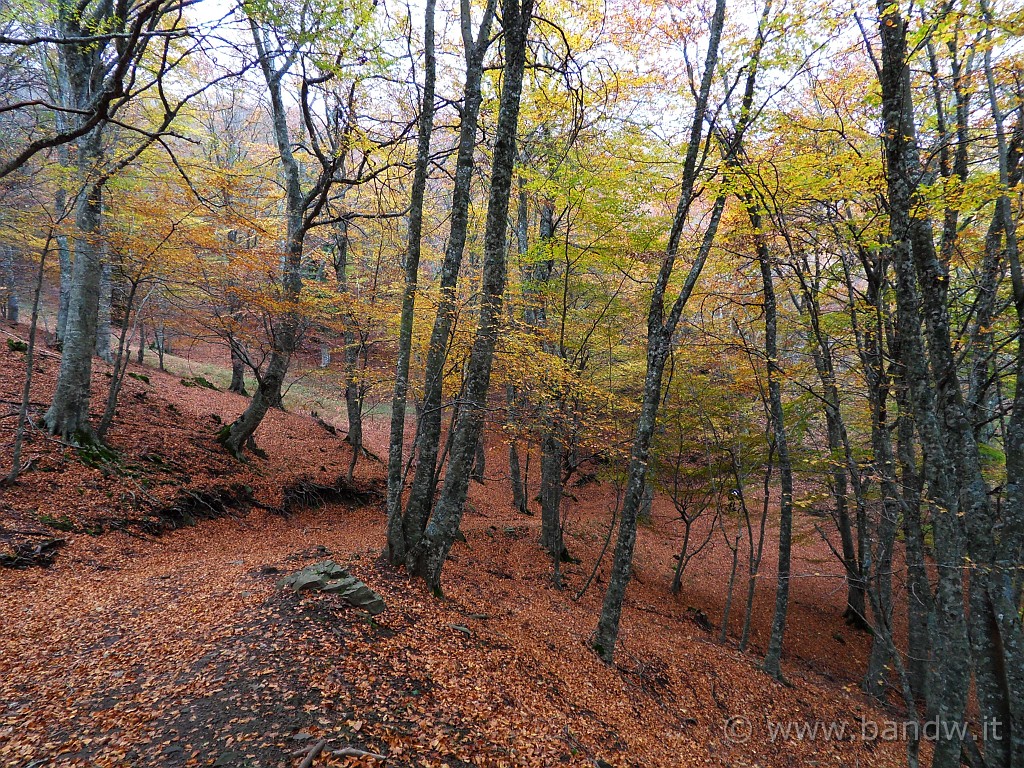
[{"x": 135, "y": 649}]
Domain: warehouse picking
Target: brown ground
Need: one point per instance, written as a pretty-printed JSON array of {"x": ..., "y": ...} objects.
[{"x": 143, "y": 650}]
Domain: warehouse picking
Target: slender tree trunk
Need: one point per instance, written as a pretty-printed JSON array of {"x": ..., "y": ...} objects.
[
  {"x": 552, "y": 460},
  {"x": 64, "y": 296},
  {"x": 773, "y": 656},
  {"x": 353, "y": 341},
  {"x": 103, "y": 350},
  {"x": 63, "y": 248},
  {"x": 444, "y": 522},
  {"x": 140, "y": 355},
  {"x": 26, "y": 391},
  {"x": 428, "y": 435},
  {"x": 514, "y": 468},
  {"x": 659, "y": 342},
  {"x": 10, "y": 286},
  {"x": 396, "y": 546},
  {"x": 755, "y": 551},
  {"x": 120, "y": 361}
]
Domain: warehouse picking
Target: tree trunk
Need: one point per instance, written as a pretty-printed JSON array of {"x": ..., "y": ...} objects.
[
  {"x": 103, "y": 350},
  {"x": 514, "y": 468},
  {"x": 773, "y": 656},
  {"x": 444, "y": 522},
  {"x": 660, "y": 331},
  {"x": 120, "y": 361},
  {"x": 479, "y": 472},
  {"x": 237, "y": 366},
  {"x": 428, "y": 436},
  {"x": 64, "y": 297},
  {"x": 140, "y": 355},
  {"x": 552, "y": 461},
  {"x": 26, "y": 390},
  {"x": 68, "y": 416},
  {"x": 913, "y": 252},
  {"x": 237, "y": 435},
  {"x": 9, "y": 285},
  {"x": 396, "y": 546}
]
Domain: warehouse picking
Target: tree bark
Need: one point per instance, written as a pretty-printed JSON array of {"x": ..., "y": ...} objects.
[
  {"x": 10, "y": 287},
  {"x": 428, "y": 434},
  {"x": 444, "y": 522},
  {"x": 68, "y": 416},
  {"x": 937, "y": 400},
  {"x": 103, "y": 350},
  {"x": 396, "y": 546},
  {"x": 660, "y": 331}
]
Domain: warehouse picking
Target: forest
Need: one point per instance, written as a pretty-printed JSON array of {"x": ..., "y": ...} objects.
[{"x": 511, "y": 382}]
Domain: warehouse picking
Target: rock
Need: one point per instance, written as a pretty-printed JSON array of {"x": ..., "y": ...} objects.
[{"x": 328, "y": 576}]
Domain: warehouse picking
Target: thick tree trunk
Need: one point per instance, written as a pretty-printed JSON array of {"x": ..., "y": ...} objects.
[
  {"x": 286, "y": 328},
  {"x": 444, "y": 522},
  {"x": 68, "y": 416},
  {"x": 238, "y": 435},
  {"x": 237, "y": 366},
  {"x": 935, "y": 401}
]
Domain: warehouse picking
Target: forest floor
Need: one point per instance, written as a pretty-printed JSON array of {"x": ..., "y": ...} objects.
[{"x": 140, "y": 646}]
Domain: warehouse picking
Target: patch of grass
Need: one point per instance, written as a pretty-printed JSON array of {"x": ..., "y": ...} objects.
[
  {"x": 199, "y": 381},
  {"x": 17, "y": 346},
  {"x": 312, "y": 390},
  {"x": 138, "y": 377},
  {"x": 62, "y": 523},
  {"x": 97, "y": 456}
]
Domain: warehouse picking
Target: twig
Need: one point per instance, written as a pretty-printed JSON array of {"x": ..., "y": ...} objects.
[
  {"x": 312, "y": 755},
  {"x": 353, "y": 752}
]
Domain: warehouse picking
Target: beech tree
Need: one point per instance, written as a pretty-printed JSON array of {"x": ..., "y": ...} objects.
[
  {"x": 288, "y": 44},
  {"x": 92, "y": 71},
  {"x": 440, "y": 532},
  {"x": 428, "y": 430}
]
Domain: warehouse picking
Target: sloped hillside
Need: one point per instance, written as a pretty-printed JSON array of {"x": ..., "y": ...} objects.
[{"x": 141, "y": 646}]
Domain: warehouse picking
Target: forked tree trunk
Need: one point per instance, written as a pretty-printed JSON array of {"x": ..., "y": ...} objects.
[
  {"x": 444, "y": 523},
  {"x": 239, "y": 434},
  {"x": 660, "y": 330},
  {"x": 428, "y": 435}
]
